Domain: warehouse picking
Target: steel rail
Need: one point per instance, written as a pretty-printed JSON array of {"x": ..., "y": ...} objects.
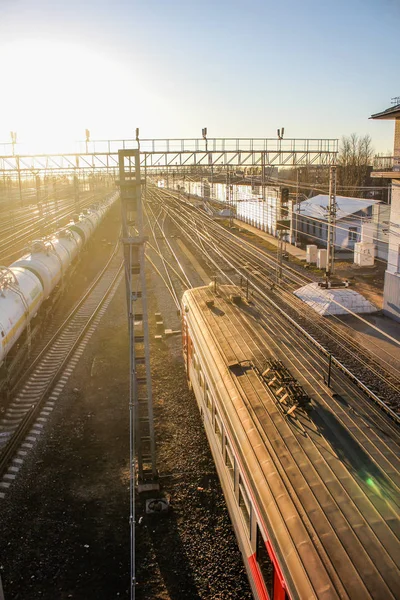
[
  {"x": 13, "y": 443},
  {"x": 393, "y": 415},
  {"x": 336, "y": 331}
]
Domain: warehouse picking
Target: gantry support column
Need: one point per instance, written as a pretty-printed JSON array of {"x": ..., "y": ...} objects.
[
  {"x": 141, "y": 401},
  {"x": 142, "y": 459},
  {"x": 330, "y": 246}
]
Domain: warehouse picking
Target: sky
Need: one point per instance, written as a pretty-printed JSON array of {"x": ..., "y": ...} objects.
[{"x": 171, "y": 67}]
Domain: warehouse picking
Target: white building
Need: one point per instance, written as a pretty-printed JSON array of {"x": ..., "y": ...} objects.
[
  {"x": 391, "y": 292},
  {"x": 310, "y": 218},
  {"x": 376, "y": 230}
]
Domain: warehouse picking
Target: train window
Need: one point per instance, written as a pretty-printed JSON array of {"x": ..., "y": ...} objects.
[
  {"x": 209, "y": 401},
  {"x": 229, "y": 460},
  {"x": 218, "y": 428},
  {"x": 265, "y": 564},
  {"x": 244, "y": 504},
  {"x": 201, "y": 378}
]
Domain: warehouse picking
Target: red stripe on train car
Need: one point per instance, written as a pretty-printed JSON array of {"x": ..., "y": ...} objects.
[
  {"x": 278, "y": 571},
  {"x": 257, "y": 578}
]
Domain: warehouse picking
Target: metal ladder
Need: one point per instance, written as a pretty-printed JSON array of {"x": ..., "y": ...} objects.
[
  {"x": 141, "y": 402},
  {"x": 142, "y": 460}
]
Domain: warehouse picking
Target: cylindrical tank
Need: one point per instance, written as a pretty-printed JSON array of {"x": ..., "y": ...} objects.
[
  {"x": 77, "y": 237},
  {"x": 93, "y": 217},
  {"x": 84, "y": 227},
  {"x": 71, "y": 241},
  {"x": 45, "y": 263},
  {"x": 21, "y": 295},
  {"x": 62, "y": 253},
  {"x": 67, "y": 245}
]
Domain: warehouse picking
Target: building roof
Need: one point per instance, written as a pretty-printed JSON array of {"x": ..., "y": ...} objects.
[
  {"x": 317, "y": 207},
  {"x": 390, "y": 113}
]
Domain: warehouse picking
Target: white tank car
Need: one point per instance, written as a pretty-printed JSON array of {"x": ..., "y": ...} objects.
[
  {"x": 21, "y": 295},
  {"x": 94, "y": 217},
  {"x": 45, "y": 263},
  {"x": 84, "y": 227},
  {"x": 71, "y": 241},
  {"x": 30, "y": 280}
]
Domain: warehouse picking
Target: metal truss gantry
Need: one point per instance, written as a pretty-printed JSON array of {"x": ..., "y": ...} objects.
[{"x": 171, "y": 153}]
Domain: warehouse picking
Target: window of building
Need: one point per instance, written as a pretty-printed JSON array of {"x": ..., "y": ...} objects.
[
  {"x": 352, "y": 234},
  {"x": 244, "y": 504},
  {"x": 209, "y": 401},
  {"x": 265, "y": 564},
  {"x": 229, "y": 459}
]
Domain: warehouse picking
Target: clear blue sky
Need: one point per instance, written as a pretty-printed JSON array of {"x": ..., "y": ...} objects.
[{"x": 171, "y": 67}]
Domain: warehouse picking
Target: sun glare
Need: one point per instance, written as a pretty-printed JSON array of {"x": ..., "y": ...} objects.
[{"x": 54, "y": 91}]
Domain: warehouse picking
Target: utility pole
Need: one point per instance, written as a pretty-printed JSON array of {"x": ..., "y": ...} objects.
[
  {"x": 229, "y": 196},
  {"x": 330, "y": 245},
  {"x": 297, "y": 207},
  {"x": 55, "y": 199},
  {"x": 143, "y": 472},
  {"x": 264, "y": 225},
  {"x": 76, "y": 193},
  {"x": 13, "y": 142},
  {"x": 87, "y": 139},
  {"x": 39, "y": 204},
  {"x": 282, "y": 227}
]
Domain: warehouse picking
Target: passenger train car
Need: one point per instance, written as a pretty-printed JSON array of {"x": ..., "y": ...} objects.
[
  {"x": 29, "y": 281},
  {"x": 311, "y": 483}
]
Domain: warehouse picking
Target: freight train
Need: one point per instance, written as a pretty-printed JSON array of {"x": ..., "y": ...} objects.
[
  {"x": 28, "y": 282},
  {"x": 311, "y": 481}
]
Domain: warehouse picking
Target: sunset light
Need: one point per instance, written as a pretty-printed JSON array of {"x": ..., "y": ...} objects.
[
  {"x": 55, "y": 90},
  {"x": 199, "y": 300}
]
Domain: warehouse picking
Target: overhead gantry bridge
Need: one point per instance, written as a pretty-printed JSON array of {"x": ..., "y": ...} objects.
[{"x": 102, "y": 155}]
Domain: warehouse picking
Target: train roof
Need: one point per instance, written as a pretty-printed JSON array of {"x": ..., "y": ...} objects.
[{"x": 327, "y": 477}]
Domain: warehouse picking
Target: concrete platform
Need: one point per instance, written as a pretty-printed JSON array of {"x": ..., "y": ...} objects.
[{"x": 334, "y": 301}]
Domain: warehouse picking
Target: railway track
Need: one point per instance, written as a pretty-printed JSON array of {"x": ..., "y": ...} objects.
[
  {"x": 35, "y": 395},
  {"x": 15, "y": 235},
  {"x": 223, "y": 250}
]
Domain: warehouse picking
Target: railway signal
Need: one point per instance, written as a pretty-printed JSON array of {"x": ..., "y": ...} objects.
[{"x": 87, "y": 138}]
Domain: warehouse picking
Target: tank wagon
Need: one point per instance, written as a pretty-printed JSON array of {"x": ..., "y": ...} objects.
[
  {"x": 29, "y": 281},
  {"x": 311, "y": 484}
]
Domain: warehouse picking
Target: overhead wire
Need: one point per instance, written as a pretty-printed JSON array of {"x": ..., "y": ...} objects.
[{"x": 366, "y": 322}]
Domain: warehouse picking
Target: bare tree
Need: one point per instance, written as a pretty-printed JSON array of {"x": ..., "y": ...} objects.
[{"x": 355, "y": 160}]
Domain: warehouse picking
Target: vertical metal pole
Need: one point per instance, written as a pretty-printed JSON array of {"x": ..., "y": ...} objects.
[
  {"x": 55, "y": 199},
  {"x": 142, "y": 440},
  {"x": 279, "y": 232},
  {"x": 39, "y": 205},
  {"x": 297, "y": 206},
  {"x": 19, "y": 180},
  {"x": 76, "y": 193},
  {"x": 330, "y": 254},
  {"x": 264, "y": 225}
]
